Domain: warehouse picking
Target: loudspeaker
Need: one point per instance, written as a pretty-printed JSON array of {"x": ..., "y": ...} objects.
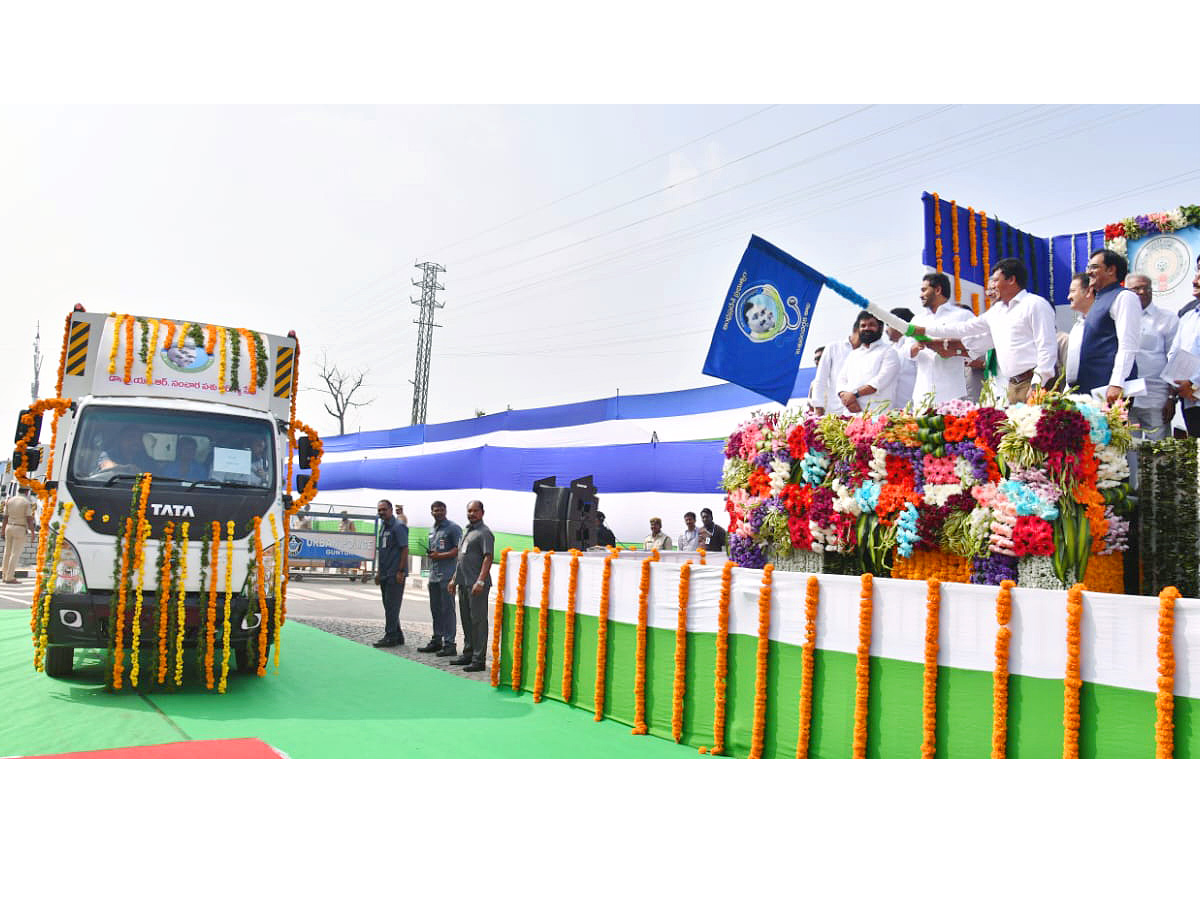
[{"x": 564, "y": 517}]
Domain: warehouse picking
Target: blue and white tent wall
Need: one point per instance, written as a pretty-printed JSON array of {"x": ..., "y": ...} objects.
[{"x": 650, "y": 454}]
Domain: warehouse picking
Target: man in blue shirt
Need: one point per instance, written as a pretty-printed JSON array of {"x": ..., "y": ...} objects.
[
  {"x": 444, "y": 537},
  {"x": 391, "y": 571}
]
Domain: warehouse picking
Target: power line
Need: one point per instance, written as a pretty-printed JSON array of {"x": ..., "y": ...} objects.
[
  {"x": 607, "y": 179},
  {"x": 661, "y": 190}
]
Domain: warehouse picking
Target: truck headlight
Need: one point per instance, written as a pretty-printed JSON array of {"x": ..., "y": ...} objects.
[{"x": 69, "y": 577}]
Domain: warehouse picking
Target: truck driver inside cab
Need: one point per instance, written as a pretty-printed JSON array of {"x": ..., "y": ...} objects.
[{"x": 128, "y": 455}]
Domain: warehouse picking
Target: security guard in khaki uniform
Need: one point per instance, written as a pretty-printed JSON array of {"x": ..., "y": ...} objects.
[{"x": 18, "y": 524}]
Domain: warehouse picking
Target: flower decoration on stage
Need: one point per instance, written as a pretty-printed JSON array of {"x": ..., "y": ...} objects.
[
  {"x": 982, "y": 484},
  {"x": 1118, "y": 234}
]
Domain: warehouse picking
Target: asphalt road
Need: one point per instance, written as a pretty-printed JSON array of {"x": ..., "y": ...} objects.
[{"x": 315, "y": 597}]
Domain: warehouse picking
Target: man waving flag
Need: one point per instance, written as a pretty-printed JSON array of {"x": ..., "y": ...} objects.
[{"x": 764, "y": 321}]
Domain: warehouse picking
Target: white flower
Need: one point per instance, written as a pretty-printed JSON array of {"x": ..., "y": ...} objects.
[
  {"x": 1112, "y": 468},
  {"x": 938, "y": 494},
  {"x": 1117, "y": 245},
  {"x": 780, "y": 473},
  {"x": 878, "y": 465},
  {"x": 1025, "y": 418},
  {"x": 844, "y": 501}
]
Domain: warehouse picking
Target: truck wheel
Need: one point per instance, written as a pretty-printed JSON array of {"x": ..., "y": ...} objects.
[
  {"x": 60, "y": 661},
  {"x": 246, "y": 663}
]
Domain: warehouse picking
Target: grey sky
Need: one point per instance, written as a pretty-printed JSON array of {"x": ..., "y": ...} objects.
[{"x": 587, "y": 248}]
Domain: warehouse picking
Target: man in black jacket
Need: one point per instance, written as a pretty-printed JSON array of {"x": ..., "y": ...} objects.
[{"x": 712, "y": 535}]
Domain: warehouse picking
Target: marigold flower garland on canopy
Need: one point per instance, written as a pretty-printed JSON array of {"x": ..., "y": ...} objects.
[
  {"x": 862, "y": 668},
  {"x": 762, "y": 660},
  {"x": 43, "y": 638},
  {"x": 1000, "y": 675},
  {"x": 498, "y": 618},
  {"x": 210, "y": 619},
  {"x": 721, "y": 669},
  {"x": 164, "y": 598},
  {"x": 259, "y": 589},
  {"x": 929, "y": 686},
  {"x": 1072, "y": 681},
  {"x": 937, "y": 233},
  {"x": 125, "y": 554},
  {"x": 602, "y": 637},
  {"x": 280, "y": 568},
  {"x": 181, "y": 608},
  {"x": 539, "y": 674},
  {"x": 569, "y": 636},
  {"x": 227, "y": 613},
  {"x": 639, "y": 676},
  {"x": 1164, "y": 701},
  {"x": 679, "y": 685},
  {"x": 808, "y": 651},
  {"x": 519, "y": 621}
]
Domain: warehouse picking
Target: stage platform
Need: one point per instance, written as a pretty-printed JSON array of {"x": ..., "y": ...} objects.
[{"x": 333, "y": 698}]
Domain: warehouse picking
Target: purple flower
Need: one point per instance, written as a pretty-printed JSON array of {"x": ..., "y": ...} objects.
[
  {"x": 746, "y": 552},
  {"x": 972, "y": 454},
  {"x": 993, "y": 569}
]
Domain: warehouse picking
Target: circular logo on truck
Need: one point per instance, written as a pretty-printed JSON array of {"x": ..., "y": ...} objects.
[{"x": 189, "y": 358}]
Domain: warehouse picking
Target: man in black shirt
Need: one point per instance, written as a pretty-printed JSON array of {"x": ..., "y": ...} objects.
[
  {"x": 712, "y": 535},
  {"x": 604, "y": 535}
]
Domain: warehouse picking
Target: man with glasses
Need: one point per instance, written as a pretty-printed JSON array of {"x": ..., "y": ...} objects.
[
  {"x": 1111, "y": 329},
  {"x": 1150, "y": 410}
]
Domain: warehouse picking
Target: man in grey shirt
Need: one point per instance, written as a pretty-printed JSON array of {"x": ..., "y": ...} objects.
[
  {"x": 473, "y": 579},
  {"x": 444, "y": 537}
]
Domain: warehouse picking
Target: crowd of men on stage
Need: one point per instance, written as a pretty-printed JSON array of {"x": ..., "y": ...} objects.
[{"x": 1120, "y": 335}]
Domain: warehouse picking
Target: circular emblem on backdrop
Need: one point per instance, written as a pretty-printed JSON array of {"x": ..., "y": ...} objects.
[
  {"x": 760, "y": 313},
  {"x": 189, "y": 358},
  {"x": 1165, "y": 260}
]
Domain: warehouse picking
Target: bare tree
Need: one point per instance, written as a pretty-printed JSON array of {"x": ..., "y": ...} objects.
[{"x": 340, "y": 387}]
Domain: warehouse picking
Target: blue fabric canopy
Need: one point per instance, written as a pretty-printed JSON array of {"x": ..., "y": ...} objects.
[
  {"x": 637, "y": 406},
  {"x": 673, "y": 467}
]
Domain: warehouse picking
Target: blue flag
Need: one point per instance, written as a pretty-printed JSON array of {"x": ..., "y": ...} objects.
[{"x": 764, "y": 321}]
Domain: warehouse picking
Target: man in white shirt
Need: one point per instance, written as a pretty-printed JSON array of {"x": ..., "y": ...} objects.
[
  {"x": 690, "y": 539},
  {"x": 1188, "y": 338},
  {"x": 1112, "y": 330},
  {"x": 824, "y": 393},
  {"x": 908, "y": 367},
  {"x": 1020, "y": 327},
  {"x": 868, "y": 378},
  {"x": 939, "y": 378},
  {"x": 1158, "y": 332}
]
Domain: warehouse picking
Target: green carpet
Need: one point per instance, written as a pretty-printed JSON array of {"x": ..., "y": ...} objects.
[{"x": 332, "y": 698}]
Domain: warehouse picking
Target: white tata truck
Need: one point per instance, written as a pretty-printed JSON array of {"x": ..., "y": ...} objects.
[{"x": 160, "y": 424}]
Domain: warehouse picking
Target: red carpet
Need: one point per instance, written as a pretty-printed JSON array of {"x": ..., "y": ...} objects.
[{"x": 236, "y": 748}]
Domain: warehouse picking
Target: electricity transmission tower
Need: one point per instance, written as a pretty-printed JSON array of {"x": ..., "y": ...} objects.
[
  {"x": 429, "y": 287},
  {"x": 37, "y": 361}
]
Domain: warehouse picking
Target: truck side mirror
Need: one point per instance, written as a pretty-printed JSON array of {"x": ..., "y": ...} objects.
[
  {"x": 287, "y": 501},
  {"x": 33, "y": 459},
  {"x": 304, "y": 449},
  {"x": 22, "y": 428},
  {"x": 302, "y": 482}
]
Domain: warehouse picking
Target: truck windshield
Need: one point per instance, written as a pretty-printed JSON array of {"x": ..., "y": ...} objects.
[{"x": 191, "y": 447}]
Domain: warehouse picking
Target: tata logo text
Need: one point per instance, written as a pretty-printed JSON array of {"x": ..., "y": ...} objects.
[{"x": 168, "y": 509}]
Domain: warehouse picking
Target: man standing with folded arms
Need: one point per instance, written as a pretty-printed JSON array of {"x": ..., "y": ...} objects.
[
  {"x": 391, "y": 571},
  {"x": 473, "y": 579},
  {"x": 1020, "y": 327},
  {"x": 444, "y": 538}
]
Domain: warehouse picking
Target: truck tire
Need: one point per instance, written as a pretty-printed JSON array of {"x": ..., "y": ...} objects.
[
  {"x": 60, "y": 661},
  {"x": 246, "y": 662}
]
